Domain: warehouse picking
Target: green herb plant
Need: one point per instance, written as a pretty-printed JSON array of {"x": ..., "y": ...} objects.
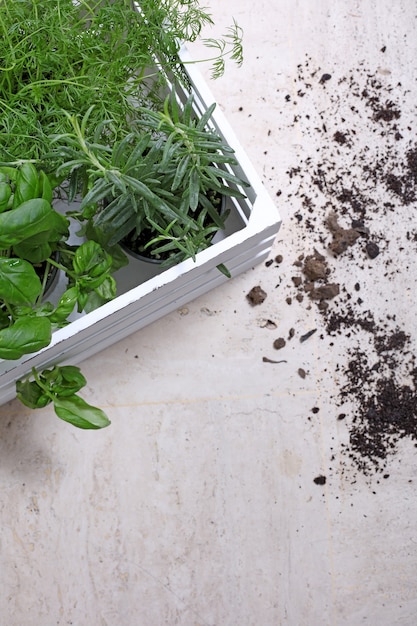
[
  {"x": 83, "y": 112},
  {"x": 33, "y": 239},
  {"x": 68, "y": 55},
  {"x": 59, "y": 385},
  {"x": 165, "y": 179}
]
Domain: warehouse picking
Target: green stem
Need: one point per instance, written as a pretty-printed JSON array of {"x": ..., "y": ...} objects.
[
  {"x": 44, "y": 281},
  {"x": 61, "y": 267},
  {"x": 9, "y": 309},
  {"x": 51, "y": 81},
  {"x": 41, "y": 385}
]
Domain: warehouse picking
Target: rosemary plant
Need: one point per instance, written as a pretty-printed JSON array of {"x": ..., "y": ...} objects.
[{"x": 165, "y": 179}]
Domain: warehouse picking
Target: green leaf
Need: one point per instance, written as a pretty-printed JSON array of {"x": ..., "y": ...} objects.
[
  {"x": 169, "y": 151},
  {"x": 223, "y": 269},
  {"x": 79, "y": 413},
  {"x": 107, "y": 289},
  {"x": 138, "y": 151},
  {"x": 90, "y": 259},
  {"x": 117, "y": 182},
  {"x": 116, "y": 211},
  {"x": 58, "y": 226},
  {"x": 4, "y": 318},
  {"x": 27, "y": 184},
  {"x": 202, "y": 122},
  {"x": 76, "y": 178},
  {"x": 10, "y": 173},
  {"x": 26, "y": 335},
  {"x": 45, "y": 188},
  {"x": 141, "y": 189},
  {"x": 69, "y": 380},
  {"x": 188, "y": 111},
  {"x": 33, "y": 251},
  {"x": 65, "y": 306},
  {"x": 194, "y": 189},
  {"x": 19, "y": 283},
  {"x": 82, "y": 299},
  {"x": 98, "y": 192},
  {"x": 26, "y": 220},
  {"x": 45, "y": 308},
  {"x": 119, "y": 258},
  {"x": 5, "y": 193},
  {"x": 228, "y": 176},
  {"x": 174, "y": 107},
  {"x": 180, "y": 172},
  {"x": 56, "y": 230},
  {"x": 119, "y": 150},
  {"x": 85, "y": 119},
  {"x": 39, "y": 247},
  {"x": 31, "y": 395}
]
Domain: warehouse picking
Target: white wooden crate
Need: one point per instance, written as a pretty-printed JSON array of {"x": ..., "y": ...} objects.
[{"x": 144, "y": 297}]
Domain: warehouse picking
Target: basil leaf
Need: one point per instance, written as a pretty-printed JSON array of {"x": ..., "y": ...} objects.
[
  {"x": 72, "y": 380},
  {"x": 45, "y": 187},
  {"x": 28, "y": 219},
  {"x": 79, "y": 413},
  {"x": 31, "y": 395},
  {"x": 26, "y": 335},
  {"x": 19, "y": 283},
  {"x": 107, "y": 289},
  {"x": 27, "y": 184},
  {"x": 65, "y": 306},
  {"x": 90, "y": 259},
  {"x": 5, "y": 193},
  {"x": 4, "y": 319},
  {"x": 33, "y": 252}
]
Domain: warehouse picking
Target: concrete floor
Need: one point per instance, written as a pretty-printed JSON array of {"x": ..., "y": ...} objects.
[{"x": 198, "y": 507}]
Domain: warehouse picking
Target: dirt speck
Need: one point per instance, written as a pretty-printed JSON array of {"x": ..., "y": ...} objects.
[
  {"x": 343, "y": 238},
  {"x": 315, "y": 267},
  {"x": 324, "y": 292},
  {"x": 324, "y": 78},
  {"x": 256, "y": 295},
  {"x": 340, "y": 137},
  {"x": 372, "y": 249},
  {"x": 279, "y": 343}
]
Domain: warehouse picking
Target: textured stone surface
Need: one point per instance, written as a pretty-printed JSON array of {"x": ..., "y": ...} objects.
[{"x": 198, "y": 506}]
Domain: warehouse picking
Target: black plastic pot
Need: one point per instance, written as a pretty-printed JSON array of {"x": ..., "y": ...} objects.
[{"x": 135, "y": 245}]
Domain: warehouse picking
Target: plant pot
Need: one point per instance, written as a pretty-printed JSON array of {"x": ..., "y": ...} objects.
[
  {"x": 143, "y": 295},
  {"x": 137, "y": 247}
]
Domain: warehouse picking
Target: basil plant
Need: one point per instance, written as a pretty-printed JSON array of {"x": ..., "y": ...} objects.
[{"x": 33, "y": 242}]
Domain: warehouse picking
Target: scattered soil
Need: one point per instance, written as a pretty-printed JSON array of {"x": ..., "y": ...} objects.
[{"x": 358, "y": 180}]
